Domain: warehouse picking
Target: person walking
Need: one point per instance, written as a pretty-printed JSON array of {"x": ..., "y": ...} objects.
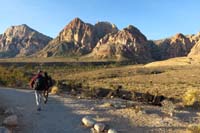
[
  {"x": 48, "y": 84},
  {"x": 38, "y": 84}
]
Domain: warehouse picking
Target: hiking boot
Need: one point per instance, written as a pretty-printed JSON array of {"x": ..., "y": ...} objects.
[{"x": 38, "y": 109}]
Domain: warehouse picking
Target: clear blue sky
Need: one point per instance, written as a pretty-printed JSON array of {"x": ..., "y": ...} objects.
[{"x": 155, "y": 18}]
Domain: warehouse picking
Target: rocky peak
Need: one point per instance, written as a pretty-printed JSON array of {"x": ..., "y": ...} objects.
[
  {"x": 178, "y": 36},
  {"x": 133, "y": 30},
  {"x": 103, "y": 28},
  {"x": 21, "y": 40},
  {"x": 18, "y": 31},
  {"x": 196, "y": 48},
  {"x": 176, "y": 46},
  {"x": 78, "y": 38},
  {"x": 74, "y": 24},
  {"x": 128, "y": 43}
]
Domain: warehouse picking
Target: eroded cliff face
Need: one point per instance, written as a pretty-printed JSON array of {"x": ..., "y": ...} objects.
[
  {"x": 128, "y": 43},
  {"x": 176, "y": 46},
  {"x": 77, "y": 38},
  {"x": 21, "y": 41},
  {"x": 195, "y": 51}
]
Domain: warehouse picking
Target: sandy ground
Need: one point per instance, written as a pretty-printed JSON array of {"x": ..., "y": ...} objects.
[
  {"x": 63, "y": 114},
  {"x": 59, "y": 115}
]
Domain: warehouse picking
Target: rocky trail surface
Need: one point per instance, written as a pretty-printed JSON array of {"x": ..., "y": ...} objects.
[
  {"x": 59, "y": 115},
  {"x": 63, "y": 114}
]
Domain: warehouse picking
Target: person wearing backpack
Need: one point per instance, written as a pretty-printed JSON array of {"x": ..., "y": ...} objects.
[
  {"x": 48, "y": 84},
  {"x": 38, "y": 84}
]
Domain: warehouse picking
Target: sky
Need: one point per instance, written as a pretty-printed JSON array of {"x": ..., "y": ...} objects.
[{"x": 156, "y": 19}]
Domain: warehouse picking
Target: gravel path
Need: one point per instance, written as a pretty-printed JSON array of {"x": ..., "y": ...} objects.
[
  {"x": 57, "y": 116},
  {"x": 64, "y": 114}
]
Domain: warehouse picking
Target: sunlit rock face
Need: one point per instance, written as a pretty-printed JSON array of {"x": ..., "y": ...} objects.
[
  {"x": 77, "y": 38},
  {"x": 176, "y": 46},
  {"x": 21, "y": 41},
  {"x": 128, "y": 43}
]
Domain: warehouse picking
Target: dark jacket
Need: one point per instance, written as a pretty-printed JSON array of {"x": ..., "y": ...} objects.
[{"x": 32, "y": 82}]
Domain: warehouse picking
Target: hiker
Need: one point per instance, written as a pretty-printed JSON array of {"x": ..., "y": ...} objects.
[
  {"x": 48, "y": 84},
  {"x": 38, "y": 84}
]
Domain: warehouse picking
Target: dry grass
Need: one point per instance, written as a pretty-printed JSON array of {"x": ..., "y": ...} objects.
[
  {"x": 194, "y": 128},
  {"x": 172, "y": 80}
]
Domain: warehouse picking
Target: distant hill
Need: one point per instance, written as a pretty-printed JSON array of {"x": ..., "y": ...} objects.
[{"x": 20, "y": 41}]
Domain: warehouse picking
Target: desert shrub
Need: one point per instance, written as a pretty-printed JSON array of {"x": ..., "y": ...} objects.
[
  {"x": 54, "y": 90},
  {"x": 191, "y": 97},
  {"x": 168, "y": 107},
  {"x": 12, "y": 77},
  {"x": 194, "y": 128}
]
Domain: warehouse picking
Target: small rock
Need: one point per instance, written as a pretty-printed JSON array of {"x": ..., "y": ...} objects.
[
  {"x": 99, "y": 127},
  {"x": 112, "y": 131},
  {"x": 88, "y": 121},
  {"x": 92, "y": 108},
  {"x": 11, "y": 120},
  {"x": 4, "y": 130}
]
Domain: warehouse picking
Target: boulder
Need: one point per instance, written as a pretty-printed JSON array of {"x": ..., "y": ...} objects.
[
  {"x": 99, "y": 127},
  {"x": 11, "y": 120},
  {"x": 112, "y": 131},
  {"x": 88, "y": 121}
]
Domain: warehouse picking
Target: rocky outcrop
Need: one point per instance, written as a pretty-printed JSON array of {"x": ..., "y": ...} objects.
[
  {"x": 21, "y": 41},
  {"x": 176, "y": 46},
  {"x": 77, "y": 38},
  {"x": 100, "y": 41},
  {"x": 128, "y": 43},
  {"x": 103, "y": 28},
  {"x": 195, "y": 51}
]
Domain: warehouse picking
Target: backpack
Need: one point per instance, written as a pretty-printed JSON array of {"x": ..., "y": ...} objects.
[{"x": 39, "y": 83}]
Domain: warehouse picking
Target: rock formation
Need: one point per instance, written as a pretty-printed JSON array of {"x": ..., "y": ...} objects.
[
  {"x": 176, "y": 46},
  {"x": 195, "y": 51},
  {"x": 21, "y": 41},
  {"x": 77, "y": 38},
  {"x": 128, "y": 43},
  {"x": 100, "y": 41}
]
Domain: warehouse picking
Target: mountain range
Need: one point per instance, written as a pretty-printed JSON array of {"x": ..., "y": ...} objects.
[{"x": 100, "y": 41}]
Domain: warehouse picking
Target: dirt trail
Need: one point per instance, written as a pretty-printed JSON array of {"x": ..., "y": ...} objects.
[
  {"x": 64, "y": 114},
  {"x": 58, "y": 116}
]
